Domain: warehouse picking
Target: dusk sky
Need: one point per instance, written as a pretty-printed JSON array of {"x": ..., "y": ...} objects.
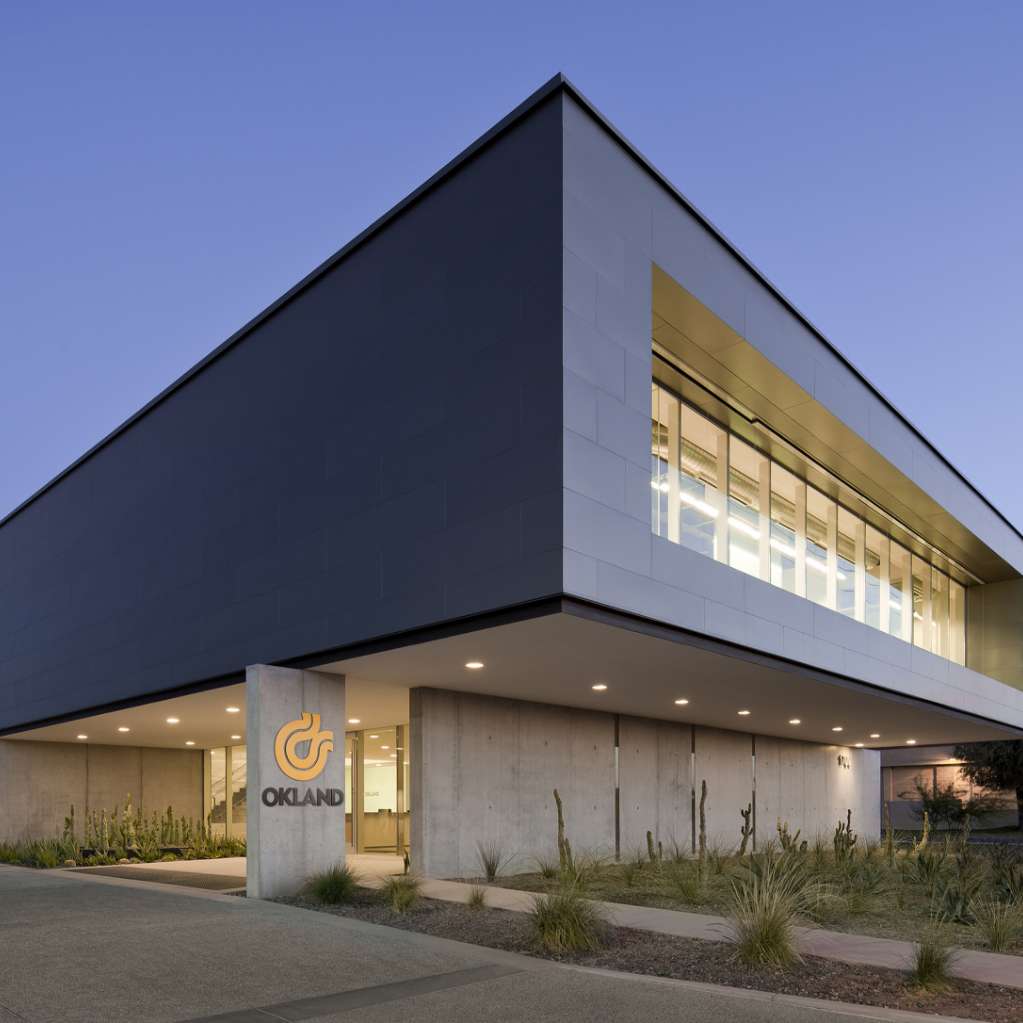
[{"x": 166, "y": 176}]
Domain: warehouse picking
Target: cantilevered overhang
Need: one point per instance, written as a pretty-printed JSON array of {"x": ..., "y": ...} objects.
[
  {"x": 559, "y": 657},
  {"x": 731, "y": 380}
]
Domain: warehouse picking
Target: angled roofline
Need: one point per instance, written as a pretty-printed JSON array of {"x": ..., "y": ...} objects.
[{"x": 558, "y": 83}]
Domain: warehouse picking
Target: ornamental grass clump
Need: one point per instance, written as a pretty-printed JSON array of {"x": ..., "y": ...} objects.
[
  {"x": 401, "y": 892},
  {"x": 999, "y": 924},
  {"x": 334, "y": 885},
  {"x": 492, "y": 859},
  {"x": 564, "y": 921},
  {"x": 477, "y": 898},
  {"x": 765, "y": 904},
  {"x": 931, "y": 965}
]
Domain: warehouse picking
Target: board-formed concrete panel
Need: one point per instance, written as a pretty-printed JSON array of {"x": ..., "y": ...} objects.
[
  {"x": 484, "y": 769},
  {"x": 295, "y": 761},
  {"x": 41, "y": 781}
]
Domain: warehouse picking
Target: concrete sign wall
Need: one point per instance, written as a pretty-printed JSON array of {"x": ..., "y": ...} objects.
[{"x": 296, "y": 777}]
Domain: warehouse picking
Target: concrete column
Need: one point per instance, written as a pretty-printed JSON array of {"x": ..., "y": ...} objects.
[{"x": 296, "y": 777}]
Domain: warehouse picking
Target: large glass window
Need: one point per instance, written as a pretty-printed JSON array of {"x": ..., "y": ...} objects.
[
  {"x": 820, "y": 547},
  {"x": 848, "y": 582},
  {"x": 939, "y": 613},
  {"x": 875, "y": 608},
  {"x": 788, "y": 530},
  {"x": 702, "y": 466},
  {"x": 720, "y": 496},
  {"x": 900, "y": 598},
  {"x": 956, "y": 622},
  {"x": 747, "y": 474}
]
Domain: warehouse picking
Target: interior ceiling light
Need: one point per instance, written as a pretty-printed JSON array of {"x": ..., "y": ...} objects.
[
  {"x": 233, "y": 710},
  {"x": 236, "y": 737},
  {"x": 374, "y": 736},
  {"x": 173, "y": 721},
  {"x": 83, "y": 737},
  {"x": 383, "y": 746},
  {"x": 474, "y": 665},
  {"x": 354, "y": 721},
  {"x": 598, "y": 687},
  {"x": 859, "y": 745},
  {"x": 189, "y": 742},
  {"x": 744, "y": 713},
  {"x": 795, "y": 721},
  {"x": 681, "y": 701},
  {"x": 123, "y": 728}
]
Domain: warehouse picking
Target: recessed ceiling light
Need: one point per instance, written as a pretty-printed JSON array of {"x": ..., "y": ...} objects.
[
  {"x": 123, "y": 728},
  {"x": 374, "y": 736},
  {"x": 795, "y": 721},
  {"x": 598, "y": 687},
  {"x": 394, "y": 756},
  {"x": 875, "y": 735},
  {"x": 859, "y": 745},
  {"x": 354, "y": 721},
  {"x": 233, "y": 710},
  {"x": 188, "y": 742},
  {"x": 744, "y": 713},
  {"x": 173, "y": 721},
  {"x": 382, "y": 746},
  {"x": 83, "y": 737},
  {"x": 474, "y": 665},
  {"x": 911, "y": 742},
  {"x": 681, "y": 701},
  {"x": 837, "y": 728},
  {"x": 236, "y": 737}
]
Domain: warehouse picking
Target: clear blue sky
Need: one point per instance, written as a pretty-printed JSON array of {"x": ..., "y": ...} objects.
[{"x": 165, "y": 176}]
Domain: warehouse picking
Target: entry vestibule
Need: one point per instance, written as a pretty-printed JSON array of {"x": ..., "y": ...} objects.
[{"x": 377, "y": 783}]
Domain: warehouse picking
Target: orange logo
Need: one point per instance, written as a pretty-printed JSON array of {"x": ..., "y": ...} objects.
[{"x": 298, "y": 766}]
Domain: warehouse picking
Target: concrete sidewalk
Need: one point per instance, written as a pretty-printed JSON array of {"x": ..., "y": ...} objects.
[
  {"x": 987, "y": 967},
  {"x": 78, "y": 948}
]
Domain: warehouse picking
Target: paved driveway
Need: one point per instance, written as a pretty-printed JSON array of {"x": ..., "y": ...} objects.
[{"x": 76, "y": 949}]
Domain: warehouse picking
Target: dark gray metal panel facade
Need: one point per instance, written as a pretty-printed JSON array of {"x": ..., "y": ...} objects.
[{"x": 381, "y": 453}]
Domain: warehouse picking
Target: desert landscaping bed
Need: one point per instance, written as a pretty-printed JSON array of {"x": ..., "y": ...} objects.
[{"x": 643, "y": 952}]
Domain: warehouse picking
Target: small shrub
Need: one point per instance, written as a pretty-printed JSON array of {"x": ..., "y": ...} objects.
[
  {"x": 477, "y": 897},
  {"x": 566, "y": 922},
  {"x": 335, "y": 885},
  {"x": 931, "y": 965},
  {"x": 580, "y": 871},
  {"x": 492, "y": 858},
  {"x": 401, "y": 892},
  {"x": 998, "y": 923}
]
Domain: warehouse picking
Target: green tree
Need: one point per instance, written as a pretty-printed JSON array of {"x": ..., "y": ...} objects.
[{"x": 995, "y": 765}]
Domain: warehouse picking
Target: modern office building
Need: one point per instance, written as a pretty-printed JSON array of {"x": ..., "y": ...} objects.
[{"x": 555, "y": 490}]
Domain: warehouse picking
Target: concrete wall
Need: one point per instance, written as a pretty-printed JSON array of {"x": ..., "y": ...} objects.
[
  {"x": 618, "y": 221},
  {"x": 382, "y": 452},
  {"x": 40, "y": 781},
  {"x": 483, "y": 769}
]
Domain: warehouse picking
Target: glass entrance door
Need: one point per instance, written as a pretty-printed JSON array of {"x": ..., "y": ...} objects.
[{"x": 376, "y": 775}]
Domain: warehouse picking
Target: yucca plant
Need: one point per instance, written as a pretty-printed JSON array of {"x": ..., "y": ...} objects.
[
  {"x": 564, "y": 921},
  {"x": 334, "y": 885},
  {"x": 401, "y": 892}
]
